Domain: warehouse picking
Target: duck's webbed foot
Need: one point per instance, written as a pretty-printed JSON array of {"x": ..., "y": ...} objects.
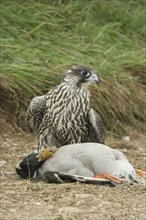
[{"x": 46, "y": 153}]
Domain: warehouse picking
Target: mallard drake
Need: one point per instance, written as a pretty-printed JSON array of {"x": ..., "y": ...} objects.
[{"x": 84, "y": 162}]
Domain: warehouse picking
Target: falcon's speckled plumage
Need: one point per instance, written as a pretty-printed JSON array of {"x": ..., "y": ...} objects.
[{"x": 64, "y": 115}]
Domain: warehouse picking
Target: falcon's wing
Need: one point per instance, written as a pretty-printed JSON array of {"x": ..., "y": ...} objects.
[
  {"x": 35, "y": 113},
  {"x": 96, "y": 127}
]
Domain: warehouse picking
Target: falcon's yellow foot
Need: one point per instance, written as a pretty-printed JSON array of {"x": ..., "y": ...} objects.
[
  {"x": 141, "y": 173},
  {"x": 46, "y": 153},
  {"x": 110, "y": 177}
]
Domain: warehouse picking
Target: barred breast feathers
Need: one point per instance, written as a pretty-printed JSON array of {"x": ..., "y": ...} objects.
[{"x": 65, "y": 104}]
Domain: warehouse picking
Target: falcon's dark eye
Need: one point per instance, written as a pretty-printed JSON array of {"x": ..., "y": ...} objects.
[{"x": 85, "y": 73}]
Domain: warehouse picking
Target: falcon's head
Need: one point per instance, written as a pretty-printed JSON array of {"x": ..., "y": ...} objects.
[{"x": 80, "y": 75}]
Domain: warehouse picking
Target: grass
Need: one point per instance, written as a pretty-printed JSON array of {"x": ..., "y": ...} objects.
[{"x": 40, "y": 39}]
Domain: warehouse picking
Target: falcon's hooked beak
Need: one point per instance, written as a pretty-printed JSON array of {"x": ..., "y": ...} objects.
[{"x": 94, "y": 78}]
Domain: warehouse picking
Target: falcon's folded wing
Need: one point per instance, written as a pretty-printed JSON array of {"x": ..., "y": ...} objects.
[
  {"x": 35, "y": 113},
  {"x": 96, "y": 127}
]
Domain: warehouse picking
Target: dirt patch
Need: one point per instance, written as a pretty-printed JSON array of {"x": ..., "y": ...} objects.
[{"x": 22, "y": 199}]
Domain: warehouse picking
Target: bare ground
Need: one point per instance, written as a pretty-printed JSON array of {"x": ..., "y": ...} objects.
[{"x": 23, "y": 199}]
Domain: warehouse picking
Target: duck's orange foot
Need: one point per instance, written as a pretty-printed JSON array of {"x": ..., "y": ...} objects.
[
  {"x": 141, "y": 173},
  {"x": 46, "y": 153},
  {"x": 110, "y": 177}
]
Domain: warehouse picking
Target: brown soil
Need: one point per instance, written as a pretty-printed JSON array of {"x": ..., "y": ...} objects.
[{"x": 26, "y": 200}]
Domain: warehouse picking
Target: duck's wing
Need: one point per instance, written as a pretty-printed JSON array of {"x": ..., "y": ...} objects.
[
  {"x": 96, "y": 127},
  {"x": 61, "y": 177}
]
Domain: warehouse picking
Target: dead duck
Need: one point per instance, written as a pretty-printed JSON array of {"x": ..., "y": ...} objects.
[{"x": 84, "y": 162}]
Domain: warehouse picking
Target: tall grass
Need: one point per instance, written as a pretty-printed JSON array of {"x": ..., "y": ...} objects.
[{"x": 40, "y": 39}]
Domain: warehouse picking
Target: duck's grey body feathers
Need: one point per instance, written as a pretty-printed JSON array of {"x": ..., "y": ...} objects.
[{"x": 90, "y": 159}]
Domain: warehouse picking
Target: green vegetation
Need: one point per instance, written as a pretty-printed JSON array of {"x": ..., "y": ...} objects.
[{"x": 40, "y": 39}]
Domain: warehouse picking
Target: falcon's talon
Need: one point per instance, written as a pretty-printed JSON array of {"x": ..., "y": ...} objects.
[{"x": 53, "y": 149}]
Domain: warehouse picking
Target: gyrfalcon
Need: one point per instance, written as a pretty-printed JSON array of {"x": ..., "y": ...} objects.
[{"x": 64, "y": 115}]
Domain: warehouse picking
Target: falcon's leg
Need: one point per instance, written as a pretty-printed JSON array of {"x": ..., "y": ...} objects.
[
  {"x": 109, "y": 177},
  {"x": 141, "y": 173}
]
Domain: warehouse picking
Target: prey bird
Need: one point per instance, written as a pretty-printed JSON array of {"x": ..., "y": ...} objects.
[
  {"x": 64, "y": 115},
  {"x": 83, "y": 162}
]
